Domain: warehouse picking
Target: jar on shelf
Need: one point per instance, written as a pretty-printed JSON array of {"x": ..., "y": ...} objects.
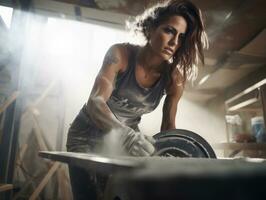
[
  {"x": 234, "y": 126},
  {"x": 258, "y": 128}
]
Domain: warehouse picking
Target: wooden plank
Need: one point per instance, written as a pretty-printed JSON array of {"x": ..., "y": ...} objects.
[
  {"x": 10, "y": 100},
  {"x": 44, "y": 94},
  {"x": 238, "y": 146},
  {"x": 63, "y": 183},
  {"x": 44, "y": 181},
  {"x": 31, "y": 107},
  {"x": 5, "y": 187},
  {"x": 21, "y": 154},
  {"x": 39, "y": 134},
  {"x": 9, "y": 139},
  {"x": 29, "y": 183}
]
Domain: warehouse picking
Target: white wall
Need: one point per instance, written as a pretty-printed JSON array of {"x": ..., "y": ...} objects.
[
  {"x": 207, "y": 121},
  {"x": 201, "y": 119}
]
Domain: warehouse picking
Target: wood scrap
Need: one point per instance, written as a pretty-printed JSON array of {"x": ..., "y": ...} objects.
[
  {"x": 45, "y": 180},
  {"x": 9, "y": 101}
]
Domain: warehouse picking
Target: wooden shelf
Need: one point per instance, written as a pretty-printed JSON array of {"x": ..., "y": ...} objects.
[
  {"x": 238, "y": 146},
  {"x": 5, "y": 187}
]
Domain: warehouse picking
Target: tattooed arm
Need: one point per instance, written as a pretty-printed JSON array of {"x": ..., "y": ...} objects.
[
  {"x": 115, "y": 61},
  {"x": 174, "y": 93}
]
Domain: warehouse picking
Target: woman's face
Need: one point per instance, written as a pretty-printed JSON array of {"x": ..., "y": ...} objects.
[{"x": 167, "y": 37}]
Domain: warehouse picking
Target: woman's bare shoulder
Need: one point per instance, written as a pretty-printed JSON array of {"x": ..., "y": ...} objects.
[{"x": 122, "y": 51}]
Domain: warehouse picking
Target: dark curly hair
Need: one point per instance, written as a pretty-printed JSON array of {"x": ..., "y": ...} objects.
[{"x": 195, "y": 39}]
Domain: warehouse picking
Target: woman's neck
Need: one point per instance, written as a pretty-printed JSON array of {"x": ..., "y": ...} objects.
[{"x": 149, "y": 60}]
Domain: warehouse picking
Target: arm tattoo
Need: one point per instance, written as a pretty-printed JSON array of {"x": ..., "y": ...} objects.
[{"x": 110, "y": 58}]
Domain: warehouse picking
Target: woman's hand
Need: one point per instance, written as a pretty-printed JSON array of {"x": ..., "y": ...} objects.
[{"x": 136, "y": 143}]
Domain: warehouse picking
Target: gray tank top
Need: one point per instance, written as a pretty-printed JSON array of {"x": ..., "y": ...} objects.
[{"x": 129, "y": 101}]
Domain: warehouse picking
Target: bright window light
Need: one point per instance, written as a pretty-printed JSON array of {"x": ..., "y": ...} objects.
[
  {"x": 243, "y": 104},
  {"x": 204, "y": 79},
  {"x": 6, "y": 15},
  {"x": 74, "y": 49}
]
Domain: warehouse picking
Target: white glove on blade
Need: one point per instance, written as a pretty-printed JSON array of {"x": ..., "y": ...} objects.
[{"x": 136, "y": 143}]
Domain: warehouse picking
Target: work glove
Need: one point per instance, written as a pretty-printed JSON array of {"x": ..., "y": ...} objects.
[{"x": 136, "y": 143}]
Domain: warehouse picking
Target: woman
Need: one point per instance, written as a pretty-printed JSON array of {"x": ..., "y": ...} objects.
[{"x": 132, "y": 81}]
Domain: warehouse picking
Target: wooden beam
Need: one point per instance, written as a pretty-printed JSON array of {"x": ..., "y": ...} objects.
[
  {"x": 39, "y": 134},
  {"x": 5, "y": 187},
  {"x": 243, "y": 146},
  {"x": 63, "y": 184},
  {"x": 45, "y": 180},
  {"x": 21, "y": 154},
  {"x": 31, "y": 107},
  {"x": 10, "y": 100}
]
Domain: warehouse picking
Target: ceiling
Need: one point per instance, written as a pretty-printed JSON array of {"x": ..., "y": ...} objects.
[{"x": 236, "y": 31}]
